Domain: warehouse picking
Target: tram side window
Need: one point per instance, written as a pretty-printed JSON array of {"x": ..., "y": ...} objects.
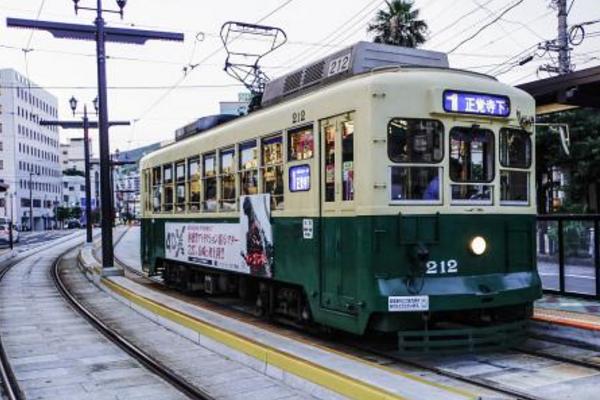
[
  {"x": 329, "y": 133},
  {"x": 210, "y": 183},
  {"x": 156, "y": 189},
  {"x": 348, "y": 160},
  {"x": 415, "y": 140},
  {"x": 168, "y": 187},
  {"x": 301, "y": 143},
  {"x": 249, "y": 168},
  {"x": 515, "y": 148},
  {"x": 180, "y": 186},
  {"x": 194, "y": 184},
  {"x": 515, "y": 152},
  {"x": 272, "y": 170},
  {"x": 228, "y": 192}
]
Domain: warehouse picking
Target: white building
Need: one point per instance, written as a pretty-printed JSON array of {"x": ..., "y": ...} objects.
[
  {"x": 73, "y": 191},
  {"x": 29, "y": 152},
  {"x": 72, "y": 161}
]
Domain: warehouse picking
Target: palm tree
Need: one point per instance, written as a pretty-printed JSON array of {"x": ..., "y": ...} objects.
[{"x": 399, "y": 25}]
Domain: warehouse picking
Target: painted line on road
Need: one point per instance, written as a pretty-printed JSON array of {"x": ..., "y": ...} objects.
[{"x": 568, "y": 275}]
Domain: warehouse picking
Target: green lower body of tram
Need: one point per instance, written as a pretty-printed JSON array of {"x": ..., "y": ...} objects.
[{"x": 345, "y": 276}]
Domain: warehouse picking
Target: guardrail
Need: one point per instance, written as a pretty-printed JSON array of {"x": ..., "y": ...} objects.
[{"x": 568, "y": 254}]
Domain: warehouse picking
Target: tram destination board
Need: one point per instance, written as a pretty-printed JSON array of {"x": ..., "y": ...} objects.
[{"x": 476, "y": 103}]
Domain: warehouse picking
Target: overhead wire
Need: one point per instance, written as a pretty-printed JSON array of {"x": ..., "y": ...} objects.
[
  {"x": 179, "y": 81},
  {"x": 481, "y": 29},
  {"x": 335, "y": 33}
]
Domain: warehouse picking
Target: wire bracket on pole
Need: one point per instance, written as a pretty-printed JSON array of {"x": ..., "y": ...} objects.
[{"x": 243, "y": 65}]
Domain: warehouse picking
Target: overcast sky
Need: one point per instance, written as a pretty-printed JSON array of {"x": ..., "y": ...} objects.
[{"x": 314, "y": 28}]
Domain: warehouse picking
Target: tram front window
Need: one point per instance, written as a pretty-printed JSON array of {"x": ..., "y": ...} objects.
[
  {"x": 471, "y": 155},
  {"x": 415, "y": 140},
  {"x": 415, "y": 184},
  {"x": 471, "y": 161}
]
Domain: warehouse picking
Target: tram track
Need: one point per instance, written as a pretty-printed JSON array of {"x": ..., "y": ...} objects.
[
  {"x": 119, "y": 340},
  {"x": 10, "y": 386},
  {"x": 389, "y": 359}
]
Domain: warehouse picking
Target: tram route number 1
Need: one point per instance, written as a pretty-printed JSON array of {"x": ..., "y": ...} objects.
[{"x": 442, "y": 267}]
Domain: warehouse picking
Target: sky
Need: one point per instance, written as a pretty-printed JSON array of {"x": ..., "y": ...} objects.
[{"x": 147, "y": 84}]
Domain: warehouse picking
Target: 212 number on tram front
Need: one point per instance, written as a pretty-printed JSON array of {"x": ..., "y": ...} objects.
[{"x": 442, "y": 267}]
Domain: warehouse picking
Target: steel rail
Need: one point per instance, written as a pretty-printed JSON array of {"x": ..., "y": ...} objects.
[
  {"x": 9, "y": 382},
  {"x": 134, "y": 351}
]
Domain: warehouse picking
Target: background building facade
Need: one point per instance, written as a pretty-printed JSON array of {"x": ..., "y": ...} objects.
[{"x": 29, "y": 153}]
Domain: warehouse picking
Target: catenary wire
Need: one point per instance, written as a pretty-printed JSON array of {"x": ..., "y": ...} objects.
[{"x": 481, "y": 29}]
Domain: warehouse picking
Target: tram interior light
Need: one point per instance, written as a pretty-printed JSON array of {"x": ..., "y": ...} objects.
[{"x": 478, "y": 245}]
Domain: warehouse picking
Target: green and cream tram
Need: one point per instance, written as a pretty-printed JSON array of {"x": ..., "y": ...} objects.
[{"x": 399, "y": 200}]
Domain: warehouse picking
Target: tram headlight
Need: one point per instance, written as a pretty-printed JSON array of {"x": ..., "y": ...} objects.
[{"x": 478, "y": 245}]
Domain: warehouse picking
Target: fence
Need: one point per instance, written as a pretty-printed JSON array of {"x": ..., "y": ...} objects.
[{"x": 568, "y": 254}]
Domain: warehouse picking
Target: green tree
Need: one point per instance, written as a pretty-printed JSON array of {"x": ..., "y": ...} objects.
[
  {"x": 583, "y": 164},
  {"x": 399, "y": 25},
  {"x": 75, "y": 212},
  {"x": 62, "y": 213}
]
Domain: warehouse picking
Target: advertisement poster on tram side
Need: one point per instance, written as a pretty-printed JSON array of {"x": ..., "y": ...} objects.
[{"x": 245, "y": 247}]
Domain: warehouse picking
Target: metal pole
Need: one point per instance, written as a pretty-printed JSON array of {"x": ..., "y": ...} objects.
[
  {"x": 597, "y": 256},
  {"x": 30, "y": 202},
  {"x": 88, "y": 189},
  {"x": 564, "y": 58},
  {"x": 107, "y": 213},
  {"x": 12, "y": 222},
  {"x": 561, "y": 257}
]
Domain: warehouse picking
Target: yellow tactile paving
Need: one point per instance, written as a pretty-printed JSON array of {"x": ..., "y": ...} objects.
[{"x": 567, "y": 318}]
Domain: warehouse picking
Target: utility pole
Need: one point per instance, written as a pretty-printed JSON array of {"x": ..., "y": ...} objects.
[
  {"x": 100, "y": 34},
  {"x": 86, "y": 124},
  {"x": 561, "y": 44},
  {"x": 564, "y": 53}
]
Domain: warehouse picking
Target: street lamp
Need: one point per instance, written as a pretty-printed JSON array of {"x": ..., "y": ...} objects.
[
  {"x": 31, "y": 174},
  {"x": 86, "y": 150}
]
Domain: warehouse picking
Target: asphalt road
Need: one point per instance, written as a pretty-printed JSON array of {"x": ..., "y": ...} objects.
[
  {"x": 578, "y": 278},
  {"x": 27, "y": 240}
]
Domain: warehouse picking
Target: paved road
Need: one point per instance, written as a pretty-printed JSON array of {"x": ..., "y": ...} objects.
[
  {"x": 55, "y": 353},
  {"x": 578, "y": 278},
  {"x": 29, "y": 240}
]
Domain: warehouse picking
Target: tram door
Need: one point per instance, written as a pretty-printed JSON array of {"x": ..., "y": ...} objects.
[{"x": 338, "y": 235}]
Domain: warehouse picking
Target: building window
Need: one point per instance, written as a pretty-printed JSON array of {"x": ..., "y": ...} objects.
[
  {"x": 1, "y": 147},
  {"x": 1, "y": 165}
]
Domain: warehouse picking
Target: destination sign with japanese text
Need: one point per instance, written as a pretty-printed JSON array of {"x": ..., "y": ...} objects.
[{"x": 476, "y": 103}]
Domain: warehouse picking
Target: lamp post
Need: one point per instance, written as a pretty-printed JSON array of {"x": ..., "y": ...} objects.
[
  {"x": 31, "y": 174},
  {"x": 100, "y": 34},
  {"x": 86, "y": 151}
]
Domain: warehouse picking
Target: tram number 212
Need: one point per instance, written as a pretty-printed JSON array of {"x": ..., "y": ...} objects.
[{"x": 442, "y": 267}]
